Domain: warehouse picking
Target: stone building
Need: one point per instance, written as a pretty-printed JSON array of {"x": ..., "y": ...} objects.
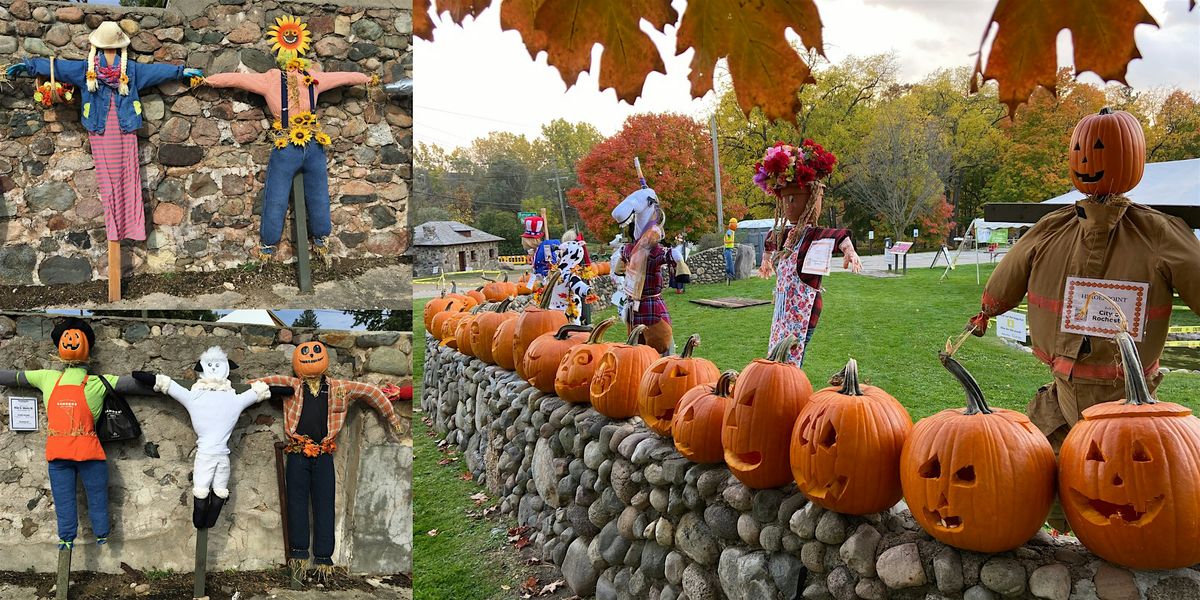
[{"x": 449, "y": 246}]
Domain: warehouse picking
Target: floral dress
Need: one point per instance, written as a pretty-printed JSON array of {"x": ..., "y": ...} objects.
[{"x": 798, "y": 295}]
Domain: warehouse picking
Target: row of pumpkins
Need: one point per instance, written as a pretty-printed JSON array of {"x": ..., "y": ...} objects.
[{"x": 981, "y": 479}]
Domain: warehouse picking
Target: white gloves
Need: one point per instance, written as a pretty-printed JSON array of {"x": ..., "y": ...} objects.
[
  {"x": 162, "y": 383},
  {"x": 263, "y": 390}
]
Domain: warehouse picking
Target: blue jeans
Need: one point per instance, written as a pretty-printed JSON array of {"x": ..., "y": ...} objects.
[
  {"x": 310, "y": 480},
  {"x": 283, "y": 166},
  {"x": 94, "y": 474},
  {"x": 729, "y": 263}
]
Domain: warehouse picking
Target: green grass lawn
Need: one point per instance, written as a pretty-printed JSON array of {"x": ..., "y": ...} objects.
[{"x": 894, "y": 327}]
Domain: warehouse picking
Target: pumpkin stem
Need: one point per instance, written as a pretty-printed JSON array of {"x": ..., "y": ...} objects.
[
  {"x": 548, "y": 290},
  {"x": 782, "y": 349},
  {"x": 724, "y": 387},
  {"x": 637, "y": 332},
  {"x": 505, "y": 277},
  {"x": 1106, "y": 111},
  {"x": 1136, "y": 390},
  {"x": 568, "y": 329},
  {"x": 599, "y": 329},
  {"x": 504, "y": 304},
  {"x": 486, "y": 278},
  {"x": 690, "y": 345},
  {"x": 849, "y": 377},
  {"x": 975, "y": 402}
]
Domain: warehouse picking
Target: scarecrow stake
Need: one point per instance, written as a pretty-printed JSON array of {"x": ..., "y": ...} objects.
[
  {"x": 64, "y": 574},
  {"x": 305, "y": 271},
  {"x": 114, "y": 271},
  {"x": 281, "y": 485}
]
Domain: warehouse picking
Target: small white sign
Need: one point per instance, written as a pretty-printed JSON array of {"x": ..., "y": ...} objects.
[
  {"x": 915, "y": 236},
  {"x": 1100, "y": 319},
  {"x": 22, "y": 413},
  {"x": 871, "y": 234},
  {"x": 820, "y": 253},
  {"x": 1012, "y": 325}
]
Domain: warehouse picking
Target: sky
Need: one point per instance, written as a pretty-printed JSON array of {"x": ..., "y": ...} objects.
[
  {"x": 475, "y": 79},
  {"x": 329, "y": 319}
]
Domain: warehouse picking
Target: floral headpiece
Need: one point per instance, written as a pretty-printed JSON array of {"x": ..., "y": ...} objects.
[
  {"x": 784, "y": 164},
  {"x": 289, "y": 37}
]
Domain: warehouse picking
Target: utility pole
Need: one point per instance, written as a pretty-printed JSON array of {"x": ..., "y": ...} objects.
[
  {"x": 717, "y": 174},
  {"x": 561, "y": 205}
]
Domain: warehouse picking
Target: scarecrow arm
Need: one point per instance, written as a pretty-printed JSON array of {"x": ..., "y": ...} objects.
[
  {"x": 337, "y": 79},
  {"x": 70, "y": 71},
  {"x": 151, "y": 74},
  {"x": 258, "y": 392},
  {"x": 1180, "y": 254},
  {"x": 255, "y": 83},
  {"x": 1007, "y": 284},
  {"x": 127, "y": 384},
  {"x": 10, "y": 378},
  {"x": 373, "y": 396}
]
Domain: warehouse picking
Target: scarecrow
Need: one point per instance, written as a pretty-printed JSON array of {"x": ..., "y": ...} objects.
[
  {"x": 73, "y": 399},
  {"x": 313, "y": 417},
  {"x": 572, "y": 291},
  {"x": 642, "y": 261},
  {"x": 534, "y": 232},
  {"x": 291, "y": 93},
  {"x": 1133, "y": 253},
  {"x": 545, "y": 256},
  {"x": 803, "y": 250},
  {"x": 728, "y": 239}
]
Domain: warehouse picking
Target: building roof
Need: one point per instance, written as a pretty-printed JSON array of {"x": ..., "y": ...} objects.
[
  {"x": 253, "y": 317},
  {"x": 450, "y": 233}
]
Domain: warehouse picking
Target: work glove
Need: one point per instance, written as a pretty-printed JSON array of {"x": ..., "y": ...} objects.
[
  {"x": 17, "y": 69},
  {"x": 190, "y": 72},
  {"x": 978, "y": 324}
]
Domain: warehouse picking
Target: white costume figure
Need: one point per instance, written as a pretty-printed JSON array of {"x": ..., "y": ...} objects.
[{"x": 571, "y": 291}]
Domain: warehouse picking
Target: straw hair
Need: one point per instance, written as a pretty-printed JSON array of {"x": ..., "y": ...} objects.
[{"x": 93, "y": 83}]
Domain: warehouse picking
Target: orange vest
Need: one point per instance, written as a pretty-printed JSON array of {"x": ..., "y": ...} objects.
[{"x": 72, "y": 432}]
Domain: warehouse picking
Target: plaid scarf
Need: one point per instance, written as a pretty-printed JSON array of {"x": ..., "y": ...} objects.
[{"x": 635, "y": 271}]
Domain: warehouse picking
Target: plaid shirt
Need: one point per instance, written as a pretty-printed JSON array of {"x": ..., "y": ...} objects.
[
  {"x": 812, "y": 234},
  {"x": 652, "y": 309},
  {"x": 341, "y": 394}
]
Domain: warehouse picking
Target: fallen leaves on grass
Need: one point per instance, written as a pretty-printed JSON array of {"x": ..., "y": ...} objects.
[
  {"x": 479, "y": 498},
  {"x": 467, "y": 476},
  {"x": 432, "y": 533}
]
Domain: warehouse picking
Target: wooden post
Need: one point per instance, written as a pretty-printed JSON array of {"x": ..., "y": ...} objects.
[
  {"x": 64, "y": 574},
  {"x": 301, "y": 241},
  {"x": 281, "y": 482},
  {"x": 114, "y": 271},
  {"x": 546, "y": 224},
  {"x": 201, "y": 563}
]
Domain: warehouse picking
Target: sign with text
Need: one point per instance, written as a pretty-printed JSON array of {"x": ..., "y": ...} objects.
[
  {"x": 521, "y": 216},
  {"x": 900, "y": 247},
  {"x": 820, "y": 253},
  {"x": 1012, "y": 325},
  {"x": 22, "y": 413},
  {"x": 1098, "y": 317}
]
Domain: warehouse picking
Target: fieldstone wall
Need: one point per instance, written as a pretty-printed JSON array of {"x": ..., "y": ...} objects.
[
  {"x": 150, "y": 479},
  {"x": 708, "y": 266},
  {"x": 203, "y": 152},
  {"x": 435, "y": 260},
  {"x": 626, "y": 516}
]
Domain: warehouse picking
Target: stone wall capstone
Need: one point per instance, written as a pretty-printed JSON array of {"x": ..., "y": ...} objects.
[
  {"x": 625, "y": 516},
  {"x": 150, "y": 478},
  {"x": 203, "y": 152}
]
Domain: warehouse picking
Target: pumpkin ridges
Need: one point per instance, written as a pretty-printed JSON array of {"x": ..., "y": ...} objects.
[
  {"x": 542, "y": 358},
  {"x": 613, "y": 391},
  {"x": 572, "y": 380},
  {"x": 536, "y": 320},
  {"x": 652, "y": 397},
  {"x": 502, "y": 344},
  {"x": 700, "y": 440}
]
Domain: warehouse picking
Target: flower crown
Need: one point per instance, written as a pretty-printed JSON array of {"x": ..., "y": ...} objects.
[{"x": 784, "y": 164}]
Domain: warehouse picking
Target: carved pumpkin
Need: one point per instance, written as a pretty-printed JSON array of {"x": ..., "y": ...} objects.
[
  {"x": 758, "y": 423},
  {"x": 979, "y": 479},
  {"x": 483, "y": 330},
  {"x": 502, "y": 344},
  {"x": 455, "y": 305},
  {"x": 574, "y": 376},
  {"x": 1108, "y": 153},
  {"x": 433, "y": 307},
  {"x": 846, "y": 445},
  {"x": 449, "y": 333},
  {"x": 614, "y": 387},
  {"x": 667, "y": 380},
  {"x": 535, "y": 321},
  {"x": 496, "y": 291},
  {"x": 547, "y": 351},
  {"x": 73, "y": 338},
  {"x": 696, "y": 426},
  {"x": 462, "y": 333},
  {"x": 1129, "y": 476},
  {"x": 310, "y": 359},
  {"x": 801, "y": 201}
]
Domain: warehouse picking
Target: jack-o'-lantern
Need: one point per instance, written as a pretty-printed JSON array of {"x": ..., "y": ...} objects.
[
  {"x": 979, "y": 479},
  {"x": 438, "y": 321},
  {"x": 74, "y": 339},
  {"x": 502, "y": 344},
  {"x": 614, "y": 387},
  {"x": 310, "y": 359},
  {"x": 433, "y": 307},
  {"x": 1129, "y": 476},
  {"x": 477, "y": 295},
  {"x": 462, "y": 332},
  {"x": 1108, "y": 153},
  {"x": 758, "y": 423},
  {"x": 496, "y": 291},
  {"x": 535, "y": 321},
  {"x": 483, "y": 330},
  {"x": 449, "y": 333},
  {"x": 846, "y": 445},
  {"x": 696, "y": 425},
  {"x": 575, "y": 370},
  {"x": 547, "y": 351},
  {"x": 667, "y": 380}
]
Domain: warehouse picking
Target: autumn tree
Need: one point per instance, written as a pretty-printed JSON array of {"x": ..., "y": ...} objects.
[
  {"x": 676, "y": 156},
  {"x": 1176, "y": 135}
]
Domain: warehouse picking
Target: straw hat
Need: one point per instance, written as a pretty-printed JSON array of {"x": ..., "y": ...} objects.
[{"x": 108, "y": 36}]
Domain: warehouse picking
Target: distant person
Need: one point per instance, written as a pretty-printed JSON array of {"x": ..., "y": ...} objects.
[
  {"x": 733, "y": 223},
  {"x": 681, "y": 275}
]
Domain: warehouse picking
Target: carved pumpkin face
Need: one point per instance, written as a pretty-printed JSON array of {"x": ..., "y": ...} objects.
[
  {"x": 758, "y": 423},
  {"x": 799, "y": 202},
  {"x": 845, "y": 452},
  {"x": 575, "y": 370},
  {"x": 483, "y": 330},
  {"x": 73, "y": 346},
  {"x": 462, "y": 335},
  {"x": 1108, "y": 153},
  {"x": 502, "y": 344},
  {"x": 544, "y": 354},
  {"x": 310, "y": 359},
  {"x": 667, "y": 380},
  {"x": 961, "y": 469},
  {"x": 613, "y": 391},
  {"x": 696, "y": 425}
]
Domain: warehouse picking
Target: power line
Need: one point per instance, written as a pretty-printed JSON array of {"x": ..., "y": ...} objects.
[{"x": 471, "y": 116}]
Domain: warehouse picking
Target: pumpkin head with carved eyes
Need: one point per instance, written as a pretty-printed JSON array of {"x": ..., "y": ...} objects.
[
  {"x": 74, "y": 339},
  {"x": 667, "y": 380},
  {"x": 310, "y": 359},
  {"x": 1108, "y": 153},
  {"x": 577, "y": 367},
  {"x": 613, "y": 391}
]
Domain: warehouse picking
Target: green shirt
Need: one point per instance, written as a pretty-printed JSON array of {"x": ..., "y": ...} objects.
[{"x": 93, "y": 391}]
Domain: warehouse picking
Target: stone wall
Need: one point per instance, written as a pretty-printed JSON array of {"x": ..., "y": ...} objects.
[
  {"x": 625, "y": 516},
  {"x": 708, "y": 266},
  {"x": 150, "y": 487},
  {"x": 203, "y": 152}
]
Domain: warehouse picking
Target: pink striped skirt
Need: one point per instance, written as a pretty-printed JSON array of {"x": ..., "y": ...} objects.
[{"x": 119, "y": 179}]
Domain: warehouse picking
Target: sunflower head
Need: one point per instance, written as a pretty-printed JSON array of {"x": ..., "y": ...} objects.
[
  {"x": 323, "y": 139},
  {"x": 297, "y": 119},
  {"x": 289, "y": 37},
  {"x": 281, "y": 142},
  {"x": 300, "y": 137},
  {"x": 277, "y": 125}
]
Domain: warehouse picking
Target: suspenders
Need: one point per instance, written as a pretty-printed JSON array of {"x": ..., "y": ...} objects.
[{"x": 283, "y": 92}]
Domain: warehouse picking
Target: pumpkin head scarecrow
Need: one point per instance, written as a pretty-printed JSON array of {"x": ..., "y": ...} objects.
[
  {"x": 111, "y": 111},
  {"x": 791, "y": 174},
  {"x": 1138, "y": 255},
  {"x": 73, "y": 399},
  {"x": 313, "y": 417},
  {"x": 291, "y": 93}
]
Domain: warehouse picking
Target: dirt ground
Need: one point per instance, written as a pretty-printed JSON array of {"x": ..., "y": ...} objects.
[
  {"x": 361, "y": 283},
  {"x": 223, "y": 585}
]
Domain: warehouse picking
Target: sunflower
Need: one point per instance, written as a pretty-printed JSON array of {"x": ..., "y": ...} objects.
[
  {"x": 297, "y": 120},
  {"x": 323, "y": 139},
  {"x": 281, "y": 142},
  {"x": 308, "y": 80},
  {"x": 310, "y": 119},
  {"x": 300, "y": 136},
  {"x": 277, "y": 125},
  {"x": 289, "y": 36}
]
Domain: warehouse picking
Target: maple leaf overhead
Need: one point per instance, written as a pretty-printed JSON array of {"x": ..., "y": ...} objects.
[
  {"x": 765, "y": 68},
  {"x": 519, "y": 16},
  {"x": 422, "y": 24},
  {"x": 1023, "y": 55}
]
